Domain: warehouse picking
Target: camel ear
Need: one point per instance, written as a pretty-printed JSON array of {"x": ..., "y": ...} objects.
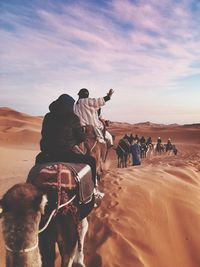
[
  {"x": 43, "y": 203},
  {"x": 40, "y": 202}
]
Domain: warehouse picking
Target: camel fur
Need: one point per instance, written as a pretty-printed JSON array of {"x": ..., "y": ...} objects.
[{"x": 22, "y": 207}]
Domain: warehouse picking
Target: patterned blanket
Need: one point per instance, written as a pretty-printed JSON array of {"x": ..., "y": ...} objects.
[{"x": 67, "y": 176}]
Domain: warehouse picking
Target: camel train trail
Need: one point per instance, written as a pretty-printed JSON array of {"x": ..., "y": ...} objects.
[
  {"x": 51, "y": 208},
  {"x": 146, "y": 149}
]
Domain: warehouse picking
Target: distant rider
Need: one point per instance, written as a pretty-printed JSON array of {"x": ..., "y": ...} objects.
[
  {"x": 142, "y": 140},
  {"x": 86, "y": 109},
  {"x": 159, "y": 141},
  {"x": 149, "y": 141}
]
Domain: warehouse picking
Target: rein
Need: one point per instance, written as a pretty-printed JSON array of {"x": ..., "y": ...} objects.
[
  {"x": 82, "y": 152},
  {"x": 91, "y": 136},
  {"x": 54, "y": 211},
  {"x": 24, "y": 250},
  {"x": 95, "y": 143},
  {"x": 93, "y": 146}
]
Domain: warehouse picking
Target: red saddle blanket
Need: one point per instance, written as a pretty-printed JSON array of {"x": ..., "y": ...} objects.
[{"x": 68, "y": 176}]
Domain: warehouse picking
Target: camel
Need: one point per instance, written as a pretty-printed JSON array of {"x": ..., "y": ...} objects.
[
  {"x": 69, "y": 236},
  {"x": 159, "y": 148},
  {"x": 22, "y": 207},
  {"x": 24, "y": 211},
  {"x": 143, "y": 150},
  {"x": 95, "y": 148},
  {"x": 123, "y": 151}
]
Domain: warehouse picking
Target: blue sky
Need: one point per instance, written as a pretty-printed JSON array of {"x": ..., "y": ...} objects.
[{"x": 148, "y": 51}]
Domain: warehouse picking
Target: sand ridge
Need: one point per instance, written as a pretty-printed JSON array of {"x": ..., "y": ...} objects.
[{"x": 150, "y": 214}]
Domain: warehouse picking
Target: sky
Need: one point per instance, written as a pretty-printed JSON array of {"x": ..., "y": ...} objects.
[{"x": 148, "y": 51}]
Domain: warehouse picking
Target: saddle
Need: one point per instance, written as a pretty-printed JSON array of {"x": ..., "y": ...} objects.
[{"x": 70, "y": 177}]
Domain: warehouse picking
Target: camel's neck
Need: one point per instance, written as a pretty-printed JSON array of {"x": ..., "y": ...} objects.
[{"x": 21, "y": 238}]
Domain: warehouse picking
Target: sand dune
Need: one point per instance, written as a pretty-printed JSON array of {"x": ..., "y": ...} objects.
[
  {"x": 150, "y": 215},
  {"x": 18, "y": 128}
]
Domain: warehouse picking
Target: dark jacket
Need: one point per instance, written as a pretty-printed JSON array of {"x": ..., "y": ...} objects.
[
  {"x": 135, "y": 151},
  {"x": 61, "y": 128}
]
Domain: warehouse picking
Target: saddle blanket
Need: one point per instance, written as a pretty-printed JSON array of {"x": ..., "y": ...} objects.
[{"x": 71, "y": 176}]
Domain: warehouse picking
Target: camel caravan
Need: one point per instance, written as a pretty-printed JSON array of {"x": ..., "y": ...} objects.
[
  {"x": 139, "y": 148},
  {"x": 61, "y": 189},
  {"x": 51, "y": 207}
]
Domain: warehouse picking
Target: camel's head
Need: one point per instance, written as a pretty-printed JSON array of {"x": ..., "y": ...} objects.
[{"x": 22, "y": 198}]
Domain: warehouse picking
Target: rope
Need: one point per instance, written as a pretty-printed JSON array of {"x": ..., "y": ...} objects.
[
  {"x": 55, "y": 210},
  {"x": 93, "y": 146},
  {"x": 79, "y": 149},
  {"x": 59, "y": 186},
  {"x": 41, "y": 230},
  {"x": 25, "y": 250}
]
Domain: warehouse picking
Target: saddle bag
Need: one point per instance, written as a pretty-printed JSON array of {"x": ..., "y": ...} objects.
[{"x": 71, "y": 176}]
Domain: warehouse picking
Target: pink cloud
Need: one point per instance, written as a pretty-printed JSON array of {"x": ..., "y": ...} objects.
[{"x": 80, "y": 46}]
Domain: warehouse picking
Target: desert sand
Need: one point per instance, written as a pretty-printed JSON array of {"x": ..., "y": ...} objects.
[{"x": 150, "y": 215}]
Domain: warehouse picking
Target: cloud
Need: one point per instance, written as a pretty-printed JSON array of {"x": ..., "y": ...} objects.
[{"x": 138, "y": 46}]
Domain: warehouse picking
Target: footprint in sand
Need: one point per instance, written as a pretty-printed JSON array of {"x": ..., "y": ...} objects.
[
  {"x": 114, "y": 175},
  {"x": 115, "y": 182},
  {"x": 113, "y": 204},
  {"x": 114, "y": 195}
]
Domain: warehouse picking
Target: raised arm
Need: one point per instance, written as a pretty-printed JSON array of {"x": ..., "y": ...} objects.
[{"x": 99, "y": 102}]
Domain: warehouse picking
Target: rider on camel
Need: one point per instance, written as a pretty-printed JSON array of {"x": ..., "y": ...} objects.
[
  {"x": 136, "y": 138},
  {"x": 169, "y": 141},
  {"x": 169, "y": 145},
  {"x": 126, "y": 137},
  {"x": 159, "y": 141},
  {"x": 87, "y": 110},
  {"x": 149, "y": 141},
  {"x": 142, "y": 140},
  {"x": 131, "y": 138},
  {"x": 61, "y": 133}
]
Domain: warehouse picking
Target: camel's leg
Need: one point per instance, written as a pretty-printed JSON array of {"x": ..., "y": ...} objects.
[
  {"x": 66, "y": 259},
  {"x": 47, "y": 246},
  {"x": 125, "y": 160},
  {"x": 79, "y": 255},
  {"x": 120, "y": 163},
  {"x": 104, "y": 152},
  {"x": 102, "y": 156},
  {"x": 67, "y": 237},
  {"x": 129, "y": 159},
  {"x": 96, "y": 153}
]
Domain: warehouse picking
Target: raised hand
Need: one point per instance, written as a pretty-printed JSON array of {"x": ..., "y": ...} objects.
[{"x": 111, "y": 91}]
